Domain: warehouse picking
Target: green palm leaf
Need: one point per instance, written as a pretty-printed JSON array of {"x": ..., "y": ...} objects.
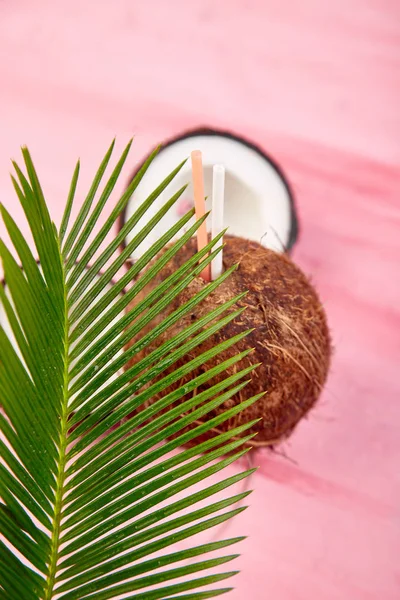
[{"x": 94, "y": 504}]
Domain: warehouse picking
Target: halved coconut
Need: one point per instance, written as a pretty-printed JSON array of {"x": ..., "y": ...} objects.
[{"x": 259, "y": 203}]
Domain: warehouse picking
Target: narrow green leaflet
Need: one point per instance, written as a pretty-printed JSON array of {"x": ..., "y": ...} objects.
[{"x": 99, "y": 488}]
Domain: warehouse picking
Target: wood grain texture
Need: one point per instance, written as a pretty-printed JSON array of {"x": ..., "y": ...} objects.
[{"x": 317, "y": 84}]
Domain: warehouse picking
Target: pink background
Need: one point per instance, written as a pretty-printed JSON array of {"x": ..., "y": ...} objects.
[{"x": 317, "y": 84}]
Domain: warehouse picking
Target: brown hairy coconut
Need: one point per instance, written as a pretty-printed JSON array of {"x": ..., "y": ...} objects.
[{"x": 290, "y": 338}]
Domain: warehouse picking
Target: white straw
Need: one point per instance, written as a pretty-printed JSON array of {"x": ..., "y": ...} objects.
[{"x": 217, "y": 216}]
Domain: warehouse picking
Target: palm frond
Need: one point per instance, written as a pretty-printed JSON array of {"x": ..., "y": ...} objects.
[{"x": 97, "y": 487}]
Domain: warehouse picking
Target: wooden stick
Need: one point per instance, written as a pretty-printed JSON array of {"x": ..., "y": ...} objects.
[
  {"x": 217, "y": 216},
  {"x": 200, "y": 206}
]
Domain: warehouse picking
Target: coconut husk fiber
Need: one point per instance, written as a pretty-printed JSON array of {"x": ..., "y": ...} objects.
[{"x": 290, "y": 339}]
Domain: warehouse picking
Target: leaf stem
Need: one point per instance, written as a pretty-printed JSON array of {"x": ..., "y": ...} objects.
[{"x": 62, "y": 459}]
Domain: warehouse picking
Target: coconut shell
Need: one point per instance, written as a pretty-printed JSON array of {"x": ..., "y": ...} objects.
[{"x": 290, "y": 339}]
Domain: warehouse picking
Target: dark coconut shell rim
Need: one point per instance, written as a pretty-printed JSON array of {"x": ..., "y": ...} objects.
[{"x": 206, "y": 131}]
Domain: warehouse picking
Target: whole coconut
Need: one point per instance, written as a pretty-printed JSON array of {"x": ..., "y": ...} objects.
[{"x": 290, "y": 338}]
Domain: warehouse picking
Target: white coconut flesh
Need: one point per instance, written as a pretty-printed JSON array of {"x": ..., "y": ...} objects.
[
  {"x": 8, "y": 330},
  {"x": 257, "y": 200}
]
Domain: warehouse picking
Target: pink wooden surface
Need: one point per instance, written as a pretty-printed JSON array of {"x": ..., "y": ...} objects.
[{"x": 318, "y": 85}]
